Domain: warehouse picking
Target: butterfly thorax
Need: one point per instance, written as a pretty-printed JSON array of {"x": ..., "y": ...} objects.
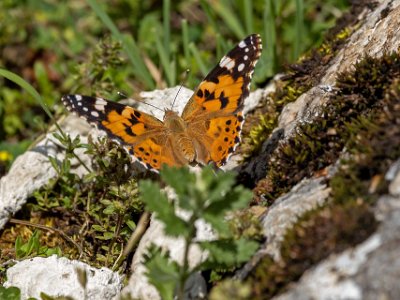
[{"x": 181, "y": 142}]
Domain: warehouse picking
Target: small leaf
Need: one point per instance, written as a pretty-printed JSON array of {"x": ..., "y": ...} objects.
[
  {"x": 161, "y": 272},
  {"x": 158, "y": 203},
  {"x": 131, "y": 225},
  {"x": 11, "y": 293}
]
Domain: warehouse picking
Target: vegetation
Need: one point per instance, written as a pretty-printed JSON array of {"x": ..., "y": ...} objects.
[{"x": 46, "y": 55}]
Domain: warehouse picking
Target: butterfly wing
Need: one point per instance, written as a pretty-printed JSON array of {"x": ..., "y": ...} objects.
[
  {"x": 141, "y": 134},
  {"x": 214, "y": 112}
]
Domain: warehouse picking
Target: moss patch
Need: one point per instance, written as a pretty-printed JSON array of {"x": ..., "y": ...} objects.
[
  {"x": 299, "y": 78},
  {"x": 315, "y": 236},
  {"x": 362, "y": 95},
  {"x": 365, "y": 114}
]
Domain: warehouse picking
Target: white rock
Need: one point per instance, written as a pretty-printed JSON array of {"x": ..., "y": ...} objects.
[{"x": 58, "y": 277}]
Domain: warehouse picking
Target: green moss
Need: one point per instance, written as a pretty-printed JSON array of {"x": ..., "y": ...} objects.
[
  {"x": 299, "y": 78},
  {"x": 314, "y": 237},
  {"x": 365, "y": 117},
  {"x": 361, "y": 97}
]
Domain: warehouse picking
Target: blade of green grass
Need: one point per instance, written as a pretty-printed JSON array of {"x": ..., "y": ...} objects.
[
  {"x": 186, "y": 51},
  {"x": 299, "y": 28},
  {"x": 185, "y": 40},
  {"x": 248, "y": 15},
  {"x": 128, "y": 43},
  {"x": 199, "y": 60},
  {"x": 269, "y": 37},
  {"x": 166, "y": 26},
  {"x": 29, "y": 89},
  {"x": 210, "y": 14},
  {"x": 223, "y": 9},
  {"x": 167, "y": 65}
]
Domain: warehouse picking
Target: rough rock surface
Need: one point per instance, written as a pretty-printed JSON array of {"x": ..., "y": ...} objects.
[
  {"x": 305, "y": 196},
  {"x": 368, "y": 271},
  {"x": 59, "y": 277},
  {"x": 375, "y": 36}
]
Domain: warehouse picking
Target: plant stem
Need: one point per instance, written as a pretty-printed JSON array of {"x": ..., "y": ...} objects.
[{"x": 185, "y": 272}]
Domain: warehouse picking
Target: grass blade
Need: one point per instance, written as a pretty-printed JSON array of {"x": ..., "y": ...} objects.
[
  {"x": 269, "y": 38},
  {"x": 28, "y": 88},
  {"x": 166, "y": 27},
  {"x": 299, "y": 28},
  {"x": 232, "y": 21},
  {"x": 199, "y": 60},
  {"x": 168, "y": 66},
  {"x": 248, "y": 16}
]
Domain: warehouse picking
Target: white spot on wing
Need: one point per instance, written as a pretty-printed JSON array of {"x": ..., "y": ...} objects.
[
  {"x": 101, "y": 101},
  {"x": 100, "y": 104},
  {"x": 85, "y": 109},
  {"x": 245, "y": 57},
  {"x": 94, "y": 113},
  {"x": 227, "y": 62},
  {"x": 242, "y": 44},
  {"x": 78, "y": 98},
  {"x": 241, "y": 67},
  {"x": 230, "y": 64},
  {"x": 224, "y": 61}
]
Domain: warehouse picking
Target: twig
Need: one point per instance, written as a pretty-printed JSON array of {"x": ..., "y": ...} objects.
[{"x": 134, "y": 239}]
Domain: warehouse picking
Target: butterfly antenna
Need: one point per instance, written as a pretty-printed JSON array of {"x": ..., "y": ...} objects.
[
  {"x": 180, "y": 86},
  {"x": 121, "y": 94}
]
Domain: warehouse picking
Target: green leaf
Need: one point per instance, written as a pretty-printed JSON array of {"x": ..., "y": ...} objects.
[
  {"x": 157, "y": 202},
  {"x": 11, "y": 293},
  {"x": 228, "y": 253},
  {"x": 161, "y": 272},
  {"x": 131, "y": 225},
  {"x": 180, "y": 179}
]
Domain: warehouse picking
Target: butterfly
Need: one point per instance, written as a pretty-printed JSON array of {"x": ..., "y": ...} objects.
[{"x": 208, "y": 130}]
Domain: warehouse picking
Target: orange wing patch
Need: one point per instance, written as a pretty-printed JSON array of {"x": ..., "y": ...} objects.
[{"x": 225, "y": 135}]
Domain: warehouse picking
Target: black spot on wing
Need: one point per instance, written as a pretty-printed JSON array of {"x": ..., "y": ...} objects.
[
  {"x": 128, "y": 130},
  {"x": 224, "y": 101},
  {"x": 200, "y": 93}
]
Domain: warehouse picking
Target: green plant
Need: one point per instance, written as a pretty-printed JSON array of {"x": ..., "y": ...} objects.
[
  {"x": 33, "y": 248},
  {"x": 208, "y": 196},
  {"x": 11, "y": 293}
]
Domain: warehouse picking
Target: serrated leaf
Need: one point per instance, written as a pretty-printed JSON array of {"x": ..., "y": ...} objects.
[
  {"x": 157, "y": 202},
  {"x": 161, "y": 272},
  {"x": 180, "y": 179},
  {"x": 228, "y": 253},
  {"x": 11, "y": 293}
]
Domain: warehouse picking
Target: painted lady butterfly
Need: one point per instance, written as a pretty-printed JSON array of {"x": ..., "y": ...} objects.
[{"x": 208, "y": 129}]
